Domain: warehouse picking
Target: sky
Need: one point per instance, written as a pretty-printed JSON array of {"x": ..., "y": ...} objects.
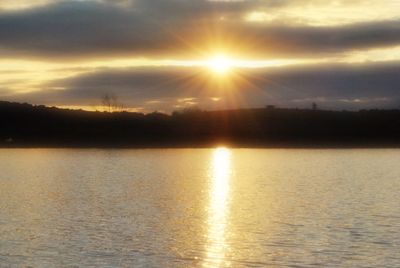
[{"x": 166, "y": 55}]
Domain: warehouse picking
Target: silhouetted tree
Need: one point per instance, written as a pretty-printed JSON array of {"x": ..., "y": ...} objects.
[
  {"x": 314, "y": 106},
  {"x": 270, "y": 107},
  {"x": 111, "y": 104},
  {"x": 187, "y": 111}
]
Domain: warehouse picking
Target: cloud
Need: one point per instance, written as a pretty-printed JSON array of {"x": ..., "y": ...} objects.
[
  {"x": 7, "y": 5},
  {"x": 73, "y": 38},
  {"x": 332, "y": 86},
  {"x": 176, "y": 29}
]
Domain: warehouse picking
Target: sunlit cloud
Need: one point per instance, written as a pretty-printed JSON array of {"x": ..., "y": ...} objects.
[
  {"x": 329, "y": 13},
  {"x": 373, "y": 55},
  {"x": 12, "y": 5}
]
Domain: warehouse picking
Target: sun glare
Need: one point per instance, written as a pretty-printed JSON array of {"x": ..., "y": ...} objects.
[{"x": 220, "y": 64}]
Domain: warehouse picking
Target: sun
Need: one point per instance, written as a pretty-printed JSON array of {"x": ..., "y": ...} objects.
[{"x": 220, "y": 64}]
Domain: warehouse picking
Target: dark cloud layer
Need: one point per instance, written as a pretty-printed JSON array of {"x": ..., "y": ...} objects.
[
  {"x": 332, "y": 86},
  {"x": 76, "y": 29}
]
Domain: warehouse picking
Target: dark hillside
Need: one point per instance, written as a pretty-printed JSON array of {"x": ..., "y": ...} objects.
[{"x": 31, "y": 126}]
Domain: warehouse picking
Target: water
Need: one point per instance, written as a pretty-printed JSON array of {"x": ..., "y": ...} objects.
[{"x": 199, "y": 208}]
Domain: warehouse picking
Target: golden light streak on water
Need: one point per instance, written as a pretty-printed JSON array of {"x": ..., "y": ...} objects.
[{"x": 218, "y": 209}]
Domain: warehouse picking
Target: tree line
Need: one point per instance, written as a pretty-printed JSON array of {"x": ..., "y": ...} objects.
[{"x": 29, "y": 125}]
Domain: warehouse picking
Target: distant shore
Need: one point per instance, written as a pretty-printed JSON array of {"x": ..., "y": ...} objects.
[{"x": 28, "y": 126}]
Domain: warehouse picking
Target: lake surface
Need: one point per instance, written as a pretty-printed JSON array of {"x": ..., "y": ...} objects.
[{"x": 199, "y": 208}]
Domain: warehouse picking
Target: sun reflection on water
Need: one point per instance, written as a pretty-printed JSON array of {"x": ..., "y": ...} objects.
[{"x": 218, "y": 208}]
